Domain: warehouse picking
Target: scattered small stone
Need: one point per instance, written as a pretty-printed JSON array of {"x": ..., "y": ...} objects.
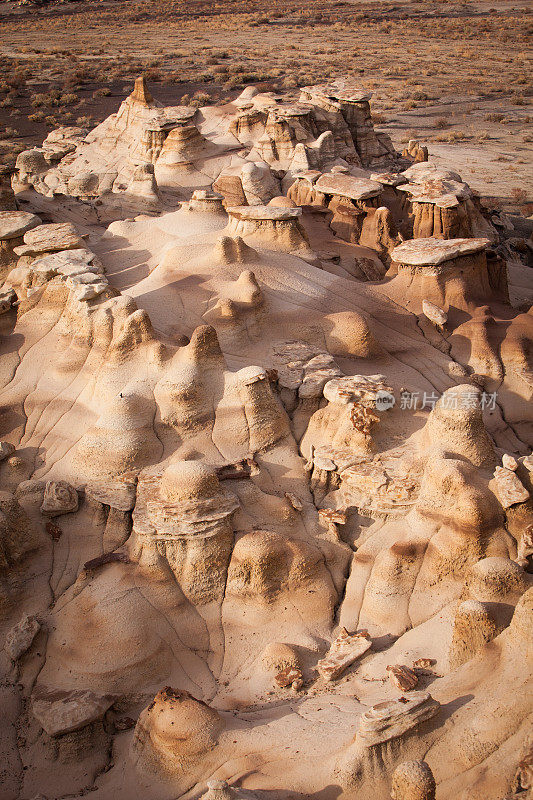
[
  {"x": 289, "y": 677},
  {"x": 59, "y": 498},
  {"x": 344, "y": 651},
  {"x": 508, "y": 487},
  {"x": 424, "y": 663},
  {"x": 402, "y": 677},
  {"x": 509, "y": 462},
  {"x": 21, "y": 636},
  {"x": 294, "y": 500}
]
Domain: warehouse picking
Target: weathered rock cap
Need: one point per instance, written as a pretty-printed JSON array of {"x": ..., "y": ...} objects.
[
  {"x": 189, "y": 493},
  {"x": 290, "y": 110},
  {"x": 430, "y": 252},
  {"x": 362, "y": 389},
  {"x": 425, "y": 171},
  {"x": 348, "y": 186},
  {"x": 14, "y": 224},
  {"x": 352, "y": 94},
  {"x": 178, "y": 114},
  {"x": 388, "y": 178},
  {"x": 119, "y": 495},
  {"x": 309, "y": 175},
  {"x": 393, "y": 718},
  {"x": 206, "y": 200},
  {"x": 441, "y": 193},
  {"x": 50, "y": 239},
  {"x": 259, "y": 213}
]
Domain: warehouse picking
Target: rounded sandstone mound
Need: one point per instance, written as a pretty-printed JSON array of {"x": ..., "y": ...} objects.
[
  {"x": 175, "y": 732},
  {"x": 188, "y": 482},
  {"x": 413, "y": 780}
]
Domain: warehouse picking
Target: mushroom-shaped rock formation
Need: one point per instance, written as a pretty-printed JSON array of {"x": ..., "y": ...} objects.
[
  {"x": 176, "y": 734},
  {"x": 493, "y": 587},
  {"x": 455, "y": 425},
  {"x": 206, "y": 201},
  {"x": 363, "y": 760},
  {"x": 265, "y": 417},
  {"x": 413, "y": 780},
  {"x": 184, "y": 515},
  {"x": 451, "y": 272},
  {"x": 416, "y": 151},
  {"x": 143, "y": 183},
  {"x": 269, "y": 226},
  {"x": 442, "y": 206},
  {"x": 354, "y": 202},
  {"x": 451, "y": 518},
  {"x": 249, "y": 183},
  {"x": 352, "y": 123},
  {"x": 353, "y": 409},
  {"x": 183, "y": 147}
]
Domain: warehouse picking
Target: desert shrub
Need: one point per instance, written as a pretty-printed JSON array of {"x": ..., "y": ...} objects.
[{"x": 68, "y": 98}]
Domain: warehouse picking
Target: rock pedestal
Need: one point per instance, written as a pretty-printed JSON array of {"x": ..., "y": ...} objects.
[
  {"x": 447, "y": 272},
  {"x": 278, "y": 228}
]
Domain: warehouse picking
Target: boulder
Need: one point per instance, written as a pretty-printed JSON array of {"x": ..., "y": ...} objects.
[
  {"x": 59, "y": 498},
  {"x": 393, "y": 718},
  {"x": 21, "y": 636},
  {"x": 508, "y": 487},
  {"x": 344, "y": 651},
  {"x": 60, "y": 711},
  {"x": 413, "y": 780}
]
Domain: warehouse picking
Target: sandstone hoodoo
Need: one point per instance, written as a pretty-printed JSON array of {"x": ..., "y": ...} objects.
[{"x": 266, "y": 521}]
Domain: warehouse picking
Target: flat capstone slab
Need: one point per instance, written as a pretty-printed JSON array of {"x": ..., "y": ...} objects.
[
  {"x": 258, "y": 213},
  {"x": 14, "y": 224},
  {"x": 432, "y": 251},
  {"x": 348, "y": 186}
]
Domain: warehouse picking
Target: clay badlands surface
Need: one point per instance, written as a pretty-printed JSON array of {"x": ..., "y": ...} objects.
[{"x": 266, "y": 516}]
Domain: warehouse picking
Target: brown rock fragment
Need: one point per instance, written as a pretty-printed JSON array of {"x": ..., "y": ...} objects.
[{"x": 402, "y": 677}]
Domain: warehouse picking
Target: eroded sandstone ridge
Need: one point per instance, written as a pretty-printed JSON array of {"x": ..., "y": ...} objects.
[{"x": 266, "y": 517}]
